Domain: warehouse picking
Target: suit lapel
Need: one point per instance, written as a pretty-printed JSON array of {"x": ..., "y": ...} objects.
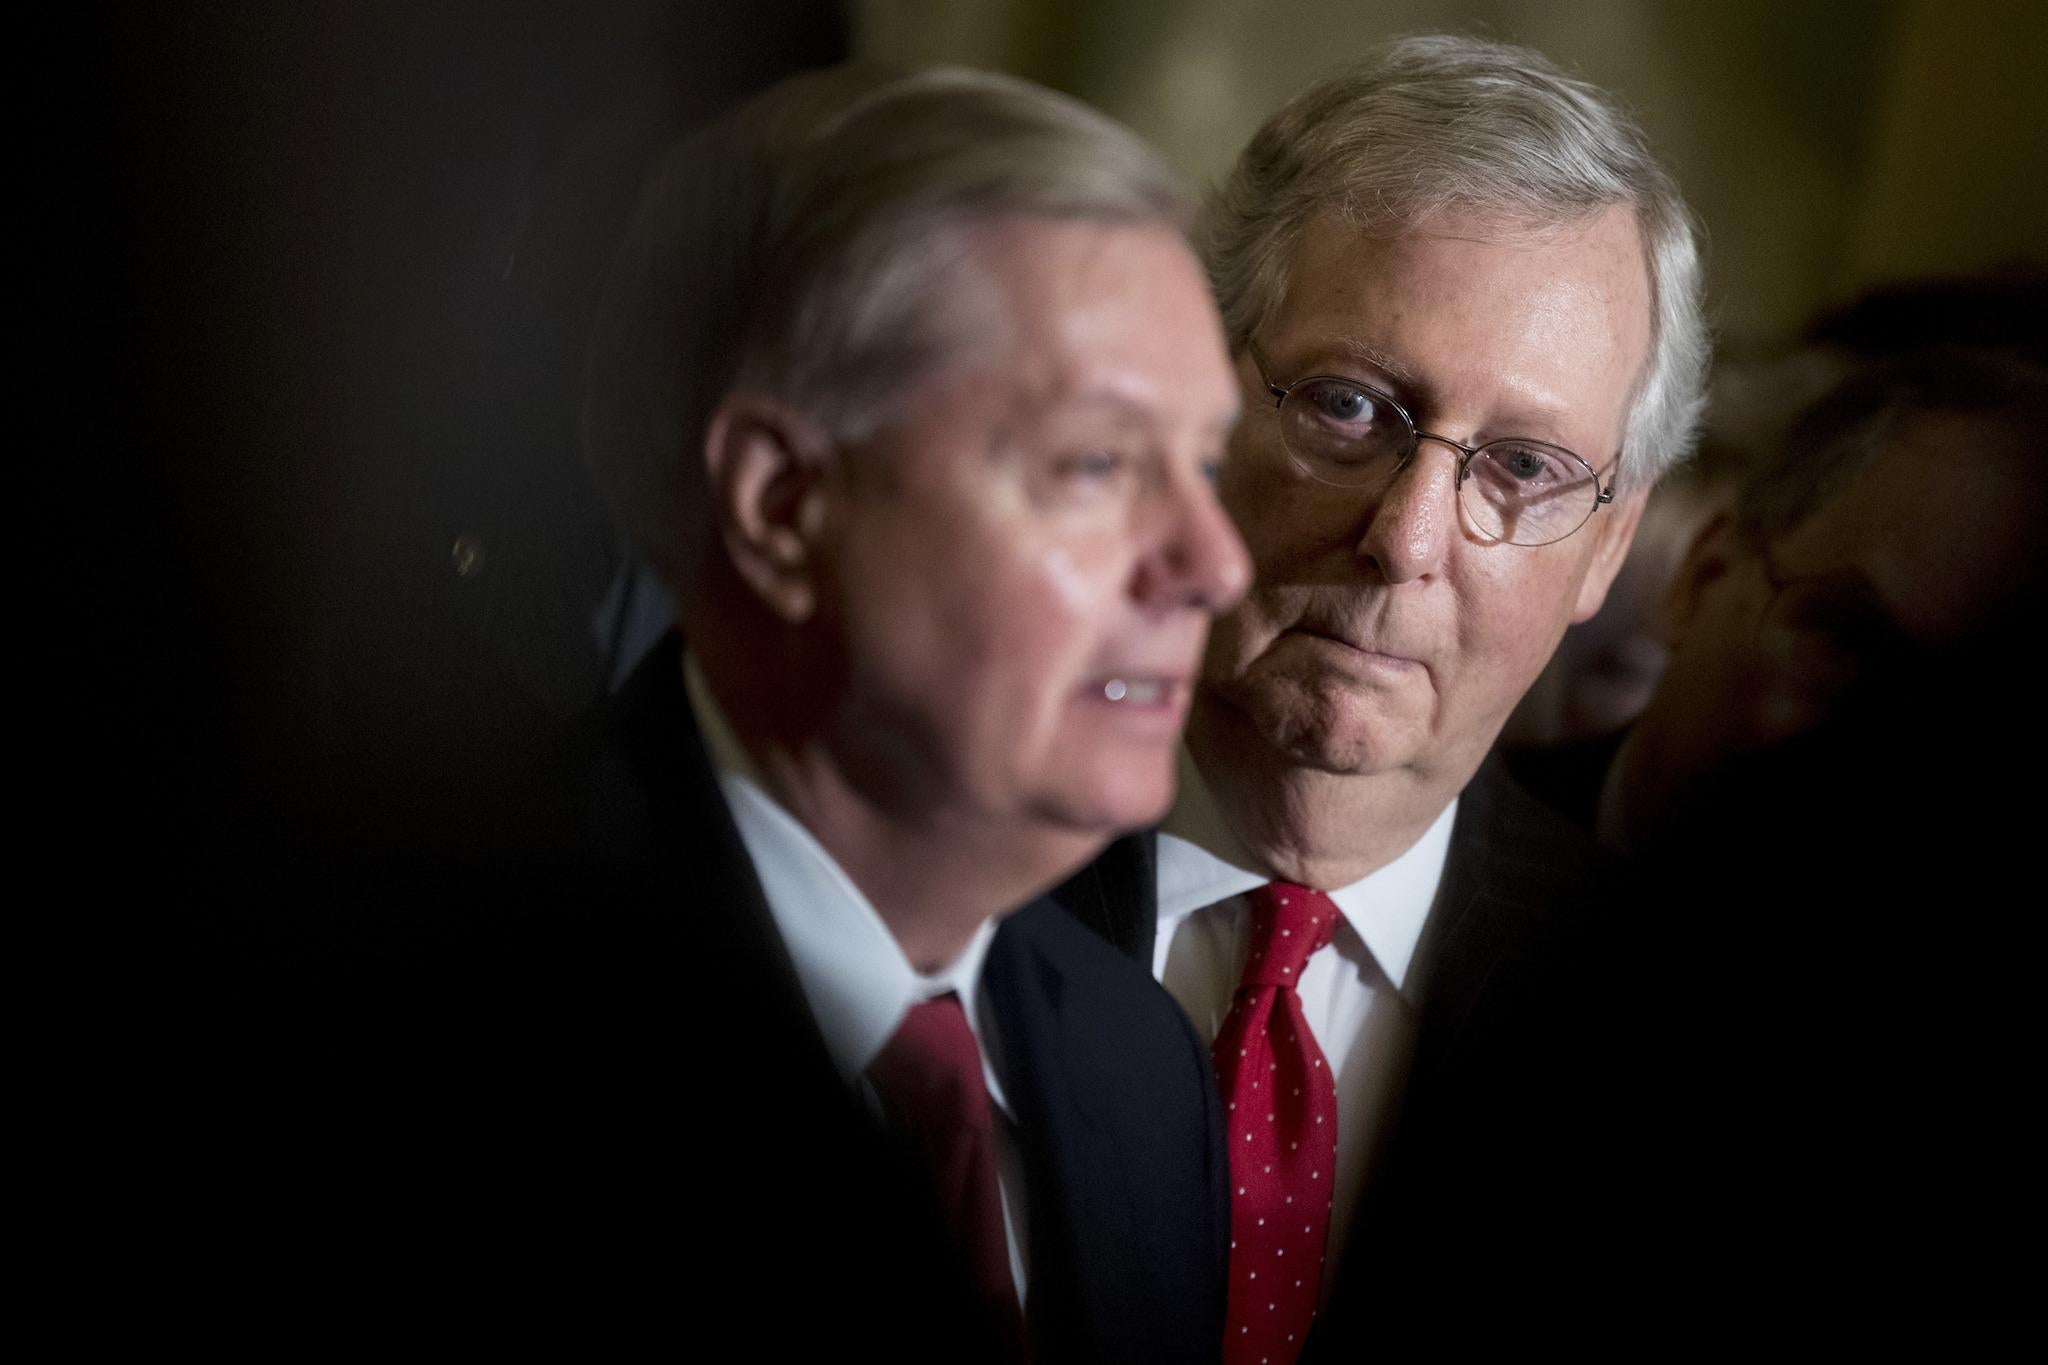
[
  {"x": 1069, "y": 1087},
  {"x": 1117, "y": 895},
  {"x": 1465, "y": 934},
  {"x": 661, "y": 811},
  {"x": 1509, "y": 892},
  {"x": 1493, "y": 965}
]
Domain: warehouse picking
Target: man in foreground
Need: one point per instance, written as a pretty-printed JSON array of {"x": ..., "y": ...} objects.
[
  {"x": 1462, "y": 299},
  {"x": 911, "y": 389}
]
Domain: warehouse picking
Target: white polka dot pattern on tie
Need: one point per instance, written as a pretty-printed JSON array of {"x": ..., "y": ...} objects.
[{"x": 1286, "y": 1154}]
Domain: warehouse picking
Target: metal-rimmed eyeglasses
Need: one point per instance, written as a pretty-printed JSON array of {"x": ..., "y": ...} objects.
[{"x": 1347, "y": 433}]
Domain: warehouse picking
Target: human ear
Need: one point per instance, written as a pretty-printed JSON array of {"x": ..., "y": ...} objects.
[
  {"x": 1706, "y": 562},
  {"x": 1616, "y": 533},
  {"x": 767, "y": 467}
]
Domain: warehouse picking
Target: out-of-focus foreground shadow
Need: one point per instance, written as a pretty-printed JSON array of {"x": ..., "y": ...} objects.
[{"x": 366, "y": 240}]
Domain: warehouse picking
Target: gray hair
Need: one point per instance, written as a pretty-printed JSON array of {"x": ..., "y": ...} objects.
[
  {"x": 807, "y": 247},
  {"x": 1435, "y": 124}
]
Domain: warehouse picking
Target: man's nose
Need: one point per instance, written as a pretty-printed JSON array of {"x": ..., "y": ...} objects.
[
  {"x": 1416, "y": 518},
  {"x": 1199, "y": 559}
]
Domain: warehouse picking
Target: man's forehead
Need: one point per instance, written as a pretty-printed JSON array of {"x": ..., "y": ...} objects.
[
  {"x": 1553, "y": 316},
  {"x": 1937, "y": 521},
  {"x": 1093, "y": 317},
  {"x": 1333, "y": 255}
]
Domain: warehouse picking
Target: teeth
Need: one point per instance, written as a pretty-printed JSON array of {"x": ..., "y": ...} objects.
[{"x": 1141, "y": 693}]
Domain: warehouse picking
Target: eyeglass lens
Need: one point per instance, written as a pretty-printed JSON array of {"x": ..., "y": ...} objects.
[{"x": 1522, "y": 492}]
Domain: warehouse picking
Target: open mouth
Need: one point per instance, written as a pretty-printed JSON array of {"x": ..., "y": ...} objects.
[
  {"x": 1137, "y": 691},
  {"x": 1142, "y": 690}
]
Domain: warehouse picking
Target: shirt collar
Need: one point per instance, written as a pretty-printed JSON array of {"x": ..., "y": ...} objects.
[
  {"x": 854, "y": 975},
  {"x": 1202, "y": 862}
]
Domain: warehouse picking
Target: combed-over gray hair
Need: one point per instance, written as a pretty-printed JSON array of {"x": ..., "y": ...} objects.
[
  {"x": 1441, "y": 124},
  {"x": 805, "y": 247}
]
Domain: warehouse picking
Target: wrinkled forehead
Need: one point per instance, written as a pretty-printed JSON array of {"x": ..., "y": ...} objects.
[{"x": 1555, "y": 317}]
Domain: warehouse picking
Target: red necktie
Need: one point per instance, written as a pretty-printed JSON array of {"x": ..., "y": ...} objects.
[
  {"x": 930, "y": 1081},
  {"x": 1282, "y": 1122}
]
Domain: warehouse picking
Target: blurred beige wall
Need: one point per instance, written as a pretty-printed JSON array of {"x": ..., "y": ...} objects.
[{"x": 1827, "y": 146}]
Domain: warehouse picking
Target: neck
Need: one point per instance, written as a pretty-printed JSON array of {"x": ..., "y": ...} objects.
[
  {"x": 933, "y": 871},
  {"x": 1305, "y": 825},
  {"x": 933, "y": 883}
]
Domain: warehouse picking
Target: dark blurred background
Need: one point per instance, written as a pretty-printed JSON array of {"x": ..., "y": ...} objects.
[
  {"x": 321, "y": 297},
  {"x": 347, "y": 257},
  {"x": 359, "y": 247},
  {"x": 1828, "y": 145}
]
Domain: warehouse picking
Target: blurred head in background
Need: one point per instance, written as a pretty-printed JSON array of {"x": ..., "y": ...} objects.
[
  {"x": 1606, "y": 668},
  {"x": 910, "y": 388},
  {"x": 1900, "y": 527}
]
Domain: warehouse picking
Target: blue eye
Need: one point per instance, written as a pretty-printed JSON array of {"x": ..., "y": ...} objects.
[
  {"x": 1530, "y": 466},
  {"x": 1092, "y": 464},
  {"x": 1341, "y": 402},
  {"x": 1341, "y": 431}
]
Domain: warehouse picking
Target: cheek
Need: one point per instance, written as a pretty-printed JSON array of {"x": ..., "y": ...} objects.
[
  {"x": 1297, "y": 538},
  {"x": 1509, "y": 624},
  {"x": 1078, "y": 591},
  {"x": 1041, "y": 616},
  {"x": 1231, "y": 642},
  {"x": 1282, "y": 522}
]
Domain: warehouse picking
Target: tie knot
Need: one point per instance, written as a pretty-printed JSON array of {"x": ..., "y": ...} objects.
[
  {"x": 930, "y": 1071},
  {"x": 1289, "y": 923}
]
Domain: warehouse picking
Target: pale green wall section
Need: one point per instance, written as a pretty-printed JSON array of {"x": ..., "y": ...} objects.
[{"x": 1826, "y": 145}]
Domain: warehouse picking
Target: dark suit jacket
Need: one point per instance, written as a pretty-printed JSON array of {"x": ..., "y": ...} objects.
[
  {"x": 592, "y": 1109},
  {"x": 1121, "y": 1132},
  {"x": 1499, "y": 1183},
  {"x": 1568, "y": 777}
]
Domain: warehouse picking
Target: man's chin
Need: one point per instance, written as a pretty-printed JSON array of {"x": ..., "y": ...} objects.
[
  {"x": 1338, "y": 753},
  {"x": 1131, "y": 798},
  {"x": 1335, "y": 731}
]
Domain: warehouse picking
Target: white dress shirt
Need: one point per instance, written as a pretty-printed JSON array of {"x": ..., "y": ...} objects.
[
  {"x": 1352, "y": 992},
  {"x": 853, "y": 972}
]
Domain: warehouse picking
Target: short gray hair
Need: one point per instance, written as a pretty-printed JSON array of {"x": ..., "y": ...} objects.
[
  {"x": 803, "y": 246},
  {"x": 1439, "y": 123}
]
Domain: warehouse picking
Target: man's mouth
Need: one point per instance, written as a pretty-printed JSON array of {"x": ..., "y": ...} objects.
[
  {"x": 1142, "y": 690},
  {"x": 1359, "y": 645}
]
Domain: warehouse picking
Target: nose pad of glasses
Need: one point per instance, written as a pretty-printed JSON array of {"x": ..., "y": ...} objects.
[{"x": 1465, "y": 454}]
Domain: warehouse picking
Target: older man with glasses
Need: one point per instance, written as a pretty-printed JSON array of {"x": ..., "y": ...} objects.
[{"x": 1463, "y": 302}]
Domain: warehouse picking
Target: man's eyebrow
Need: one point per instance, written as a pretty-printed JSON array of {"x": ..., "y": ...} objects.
[
  {"x": 1028, "y": 411},
  {"x": 1140, "y": 414},
  {"x": 1358, "y": 348},
  {"x": 1539, "y": 412},
  {"x": 1122, "y": 407}
]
